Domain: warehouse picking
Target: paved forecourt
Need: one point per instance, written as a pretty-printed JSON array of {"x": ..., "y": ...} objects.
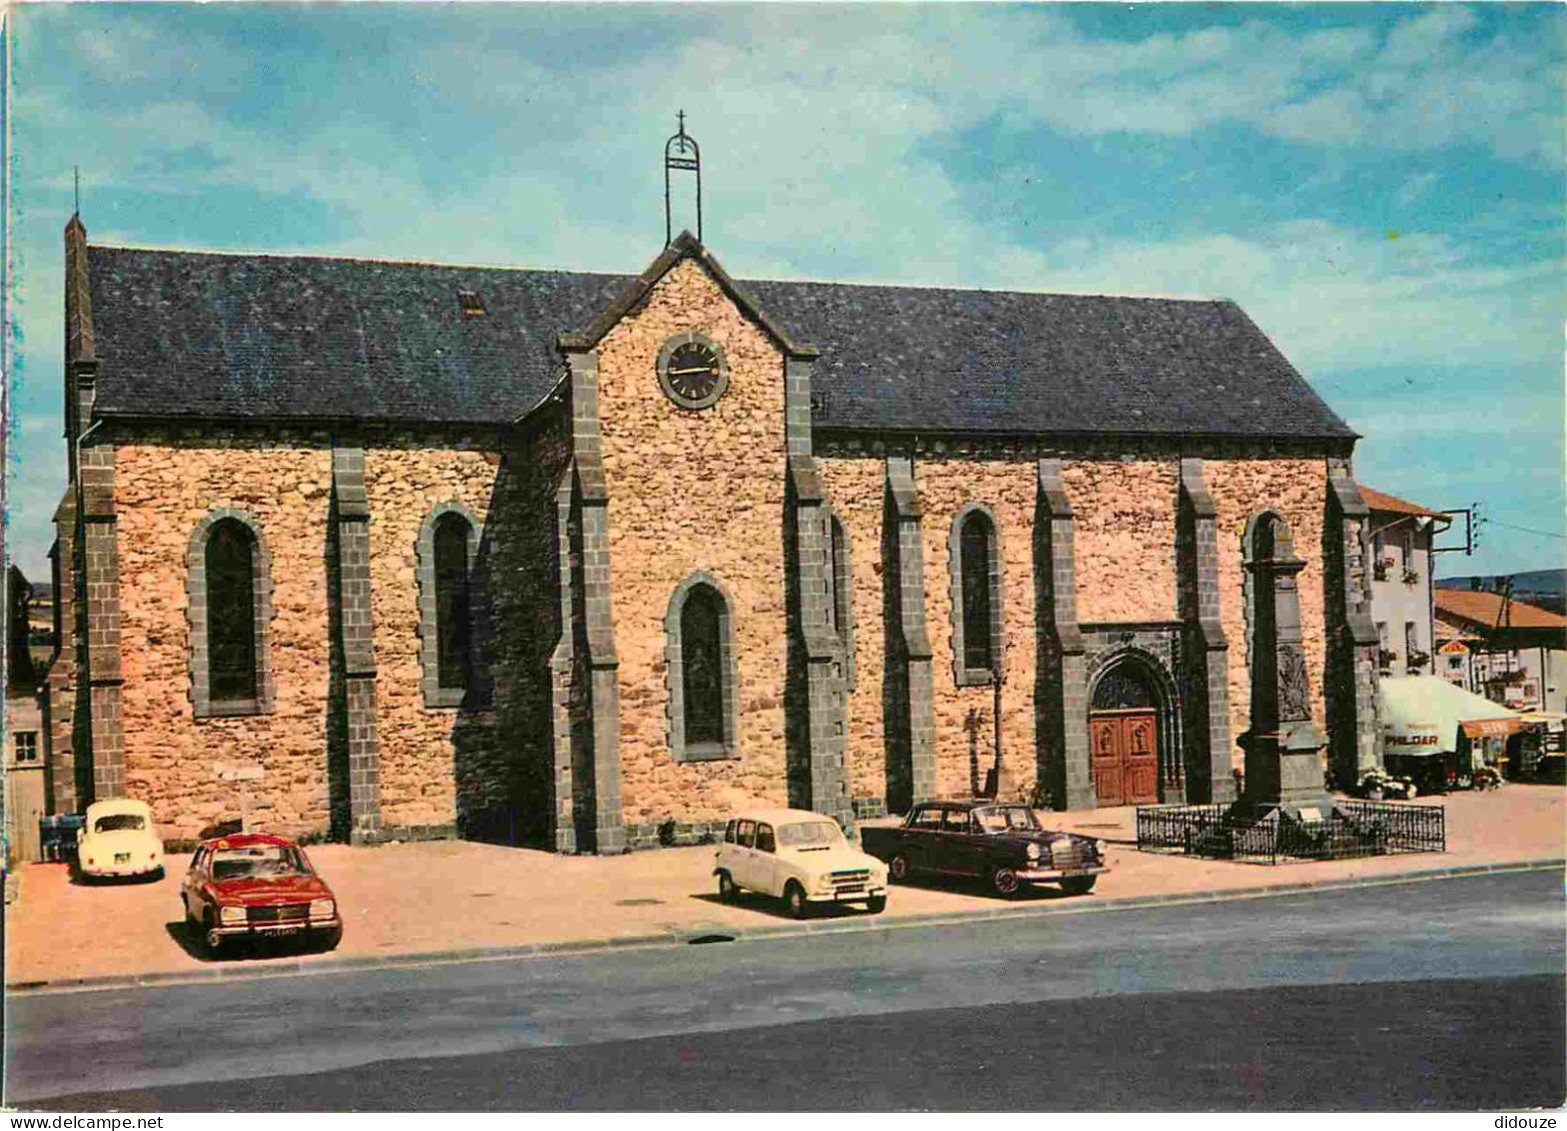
[{"x": 453, "y": 899}]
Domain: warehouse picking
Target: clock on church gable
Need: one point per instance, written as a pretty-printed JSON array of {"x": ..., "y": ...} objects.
[{"x": 692, "y": 370}]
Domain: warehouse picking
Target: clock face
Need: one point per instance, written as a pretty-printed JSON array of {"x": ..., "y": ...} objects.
[{"x": 692, "y": 370}]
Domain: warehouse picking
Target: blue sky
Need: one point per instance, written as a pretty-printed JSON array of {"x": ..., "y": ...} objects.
[{"x": 1380, "y": 186}]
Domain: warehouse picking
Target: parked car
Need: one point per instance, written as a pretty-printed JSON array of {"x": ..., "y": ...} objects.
[
  {"x": 118, "y": 838},
  {"x": 251, "y": 885},
  {"x": 1001, "y": 843},
  {"x": 798, "y": 856}
]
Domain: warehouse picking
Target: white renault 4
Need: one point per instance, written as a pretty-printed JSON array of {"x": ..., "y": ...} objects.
[{"x": 798, "y": 856}]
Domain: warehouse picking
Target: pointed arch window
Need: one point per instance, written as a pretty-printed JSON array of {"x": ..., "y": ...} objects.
[
  {"x": 840, "y": 581},
  {"x": 452, "y": 600},
  {"x": 701, "y": 670},
  {"x": 229, "y": 590},
  {"x": 448, "y": 551},
  {"x": 975, "y": 562},
  {"x": 702, "y": 674},
  {"x": 231, "y": 620}
]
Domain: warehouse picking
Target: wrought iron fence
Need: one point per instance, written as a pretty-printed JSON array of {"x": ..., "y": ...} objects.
[{"x": 1353, "y": 829}]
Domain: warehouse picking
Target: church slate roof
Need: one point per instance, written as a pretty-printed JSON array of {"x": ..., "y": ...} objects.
[{"x": 252, "y": 336}]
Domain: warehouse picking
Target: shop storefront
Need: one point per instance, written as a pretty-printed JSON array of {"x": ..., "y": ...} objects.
[{"x": 1437, "y": 735}]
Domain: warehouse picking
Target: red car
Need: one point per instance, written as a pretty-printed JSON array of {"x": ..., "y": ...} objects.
[{"x": 251, "y": 885}]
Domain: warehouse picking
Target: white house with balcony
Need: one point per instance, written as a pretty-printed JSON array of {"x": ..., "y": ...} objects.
[{"x": 1402, "y": 560}]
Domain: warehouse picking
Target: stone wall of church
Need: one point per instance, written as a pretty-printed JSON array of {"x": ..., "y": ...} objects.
[
  {"x": 1125, "y": 507},
  {"x": 695, "y": 491},
  {"x": 856, "y": 488},
  {"x": 403, "y": 484},
  {"x": 525, "y": 546},
  {"x": 1298, "y": 490},
  {"x": 1125, "y": 537},
  {"x": 163, "y": 489},
  {"x": 964, "y": 716}
]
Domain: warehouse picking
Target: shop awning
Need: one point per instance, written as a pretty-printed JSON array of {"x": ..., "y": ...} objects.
[
  {"x": 1552, "y": 720},
  {"x": 1422, "y": 714}
]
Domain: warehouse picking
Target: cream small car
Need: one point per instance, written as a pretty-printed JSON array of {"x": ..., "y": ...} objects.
[
  {"x": 798, "y": 856},
  {"x": 118, "y": 838}
]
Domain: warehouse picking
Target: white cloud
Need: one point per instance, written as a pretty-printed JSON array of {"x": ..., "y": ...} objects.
[{"x": 822, "y": 125}]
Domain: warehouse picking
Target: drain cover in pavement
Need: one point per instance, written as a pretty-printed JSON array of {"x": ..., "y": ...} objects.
[{"x": 638, "y": 902}]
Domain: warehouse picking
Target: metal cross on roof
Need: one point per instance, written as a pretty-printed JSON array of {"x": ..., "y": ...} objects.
[{"x": 682, "y": 152}]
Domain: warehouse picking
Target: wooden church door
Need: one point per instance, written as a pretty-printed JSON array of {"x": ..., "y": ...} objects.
[{"x": 1123, "y": 735}]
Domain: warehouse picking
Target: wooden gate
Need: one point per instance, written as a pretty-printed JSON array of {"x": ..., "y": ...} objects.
[{"x": 1125, "y": 758}]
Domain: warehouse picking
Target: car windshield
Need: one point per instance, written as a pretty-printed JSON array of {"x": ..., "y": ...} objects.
[
  {"x": 118, "y": 822},
  {"x": 810, "y": 834},
  {"x": 258, "y": 860},
  {"x": 1007, "y": 818}
]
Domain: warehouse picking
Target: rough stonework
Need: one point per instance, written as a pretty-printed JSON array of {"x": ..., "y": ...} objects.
[
  {"x": 1296, "y": 489},
  {"x": 689, "y": 491},
  {"x": 855, "y": 487},
  {"x": 403, "y": 485},
  {"x": 163, "y": 490},
  {"x": 965, "y": 736},
  {"x": 600, "y": 480},
  {"x": 1124, "y": 537}
]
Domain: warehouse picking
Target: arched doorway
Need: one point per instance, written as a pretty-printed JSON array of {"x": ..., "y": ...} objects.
[{"x": 1123, "y": 734}]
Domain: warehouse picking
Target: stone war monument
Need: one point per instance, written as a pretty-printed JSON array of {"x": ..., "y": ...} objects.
[
  {"x": 1284, "y": 811},
  {"x": 1283, "y": 767}
]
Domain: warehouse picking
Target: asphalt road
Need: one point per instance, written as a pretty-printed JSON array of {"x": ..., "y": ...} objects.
[{"x": 1445, "y": 994}]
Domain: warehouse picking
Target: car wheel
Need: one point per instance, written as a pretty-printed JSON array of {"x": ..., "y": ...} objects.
[
  {"x": 794, "y": 899},
  {"x": 728, "y": 890},
  {"x": 898, "y": 870},
  {"x": 1005, "y": 881},
  {"x": 330, "y": 938},
  {"x": 876, "y": 904},
  {"x": 213, "y": 940},
  {"x": 1078, "y": 885}
]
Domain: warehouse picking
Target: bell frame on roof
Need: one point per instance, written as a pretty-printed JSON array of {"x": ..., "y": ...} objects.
[{"x": 682, "y": 152}]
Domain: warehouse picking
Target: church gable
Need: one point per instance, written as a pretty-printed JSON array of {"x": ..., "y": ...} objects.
[{"x": 691, "y": 410}]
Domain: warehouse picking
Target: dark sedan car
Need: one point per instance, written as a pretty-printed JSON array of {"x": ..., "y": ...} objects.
[{"x": 1002, "y": 843}]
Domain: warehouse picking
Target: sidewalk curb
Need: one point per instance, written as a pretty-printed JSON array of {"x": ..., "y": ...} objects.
[{"x": 684, "y": 936}]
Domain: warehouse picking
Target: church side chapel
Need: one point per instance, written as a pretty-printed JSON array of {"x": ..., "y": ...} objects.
[{"x": 587, "y": 561}]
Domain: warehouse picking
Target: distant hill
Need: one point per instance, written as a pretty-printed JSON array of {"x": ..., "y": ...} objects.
[{"x": 1542, "y": 588}]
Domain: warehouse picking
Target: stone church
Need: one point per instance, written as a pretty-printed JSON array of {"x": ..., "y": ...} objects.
[{"x": 586, "y": 561}]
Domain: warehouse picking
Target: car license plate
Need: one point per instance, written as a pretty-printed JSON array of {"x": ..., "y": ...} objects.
[
  {"x": 856, "y": 889},
  {"x": 279, "y": 928},
  {"x": 122, "y": 857}
]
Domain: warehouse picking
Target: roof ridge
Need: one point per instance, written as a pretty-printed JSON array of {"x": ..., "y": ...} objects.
[
  {"x": 294, "y": 256},
  {"x": 1194, "y": 300}
]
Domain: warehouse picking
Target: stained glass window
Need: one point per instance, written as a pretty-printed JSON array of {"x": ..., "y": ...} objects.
[
  {"x": 231, "y": 611},
  {"x": 452, "y": 600},
  {"x": 974, "y": 560},
  {"x": 838, "y": 577},
  {"x": 702, "y": 660}
]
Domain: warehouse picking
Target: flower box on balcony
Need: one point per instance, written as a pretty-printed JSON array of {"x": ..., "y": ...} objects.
[{"x": 1411, "y": 577}]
